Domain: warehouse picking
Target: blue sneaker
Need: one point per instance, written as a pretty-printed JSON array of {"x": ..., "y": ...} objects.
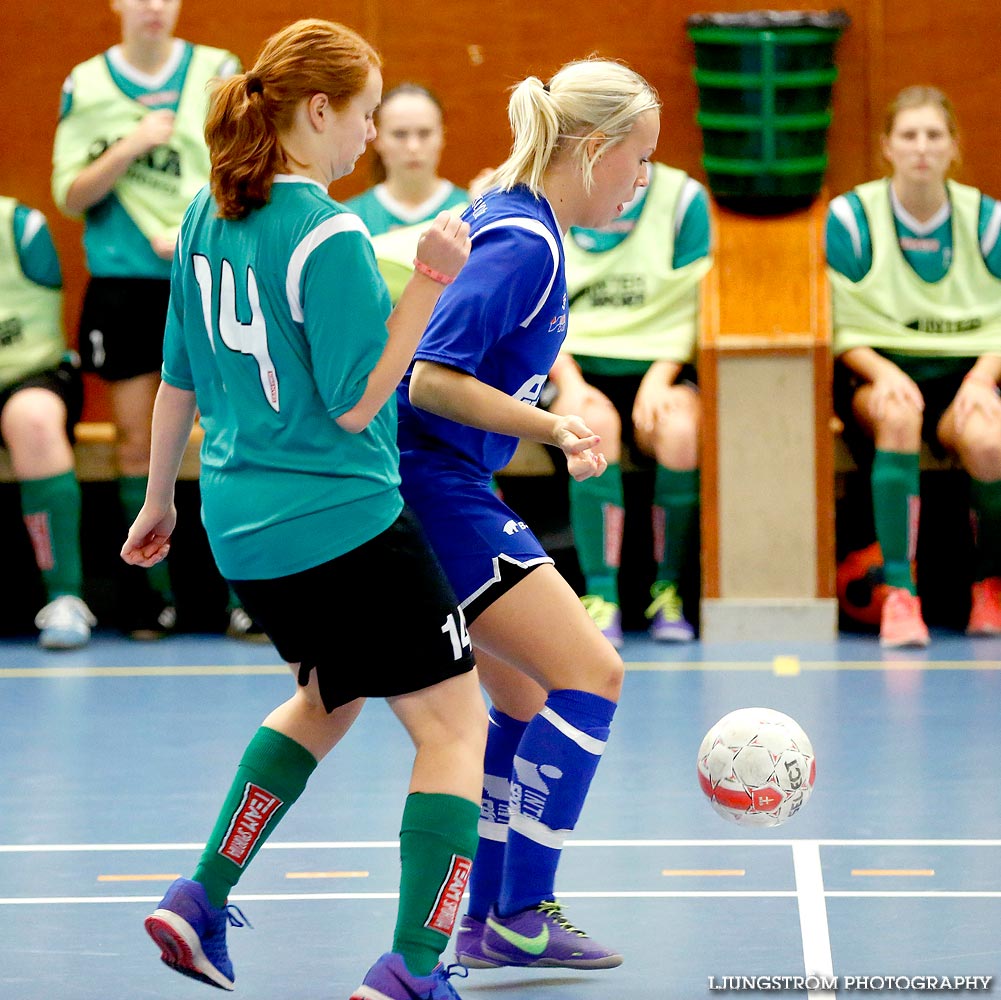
[
  {"x": 541, "y": 937},
  {"x": 191, "y": 933},
  {"x": 469, "y": 945},
  {"x": 389, "y": 979}
]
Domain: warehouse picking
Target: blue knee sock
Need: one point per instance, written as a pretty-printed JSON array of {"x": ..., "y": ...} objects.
[
  {"x": 553, "y": 768},
  {"x": 503, "y": 736}
]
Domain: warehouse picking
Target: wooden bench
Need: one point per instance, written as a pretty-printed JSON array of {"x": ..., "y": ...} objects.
[{"x": 95, "y": 454}]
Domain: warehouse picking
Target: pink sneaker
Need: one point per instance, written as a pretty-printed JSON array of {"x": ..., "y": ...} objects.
[
  {"x": 901, "y": 623},
  {"x": 985, "y": 609}
]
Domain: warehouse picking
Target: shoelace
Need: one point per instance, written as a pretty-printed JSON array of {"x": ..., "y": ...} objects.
[
  {"x": 236, "y": 917},
  {"x": 552, "y": 909},
  {"x": 668, "y": 602},
  {"x": 600, "y": 610},
  {"x": 899, "y": 605},
  {"x": 446, "y": 973}
]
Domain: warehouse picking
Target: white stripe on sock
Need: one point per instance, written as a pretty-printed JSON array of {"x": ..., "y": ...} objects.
[
  {"x": 538, "y": 832},
  {"x": 585, "y": 742},
  {"x": 489, "y": 830}
]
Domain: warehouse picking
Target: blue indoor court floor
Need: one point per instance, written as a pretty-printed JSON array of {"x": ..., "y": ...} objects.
[{"x": 115, "y": 759}]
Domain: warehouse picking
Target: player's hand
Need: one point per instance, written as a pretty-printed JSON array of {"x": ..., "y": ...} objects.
[
  {"x": 445, "y": 245},
  {"x": 163, "y": 246},
  {"x": 148, "y": 541},
  {"x": 893, "y": 386},
  {"x": 575, "y": 439},
  {"x": 976, "y": 395},
  {"x": 154, "y": 130}
]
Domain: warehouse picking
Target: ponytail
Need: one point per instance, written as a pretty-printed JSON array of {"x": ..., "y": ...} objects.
[
  {"x": 244, "y": 146},
  {"x": 250, "y": 112},
  {"x": 591, "y": 98}
]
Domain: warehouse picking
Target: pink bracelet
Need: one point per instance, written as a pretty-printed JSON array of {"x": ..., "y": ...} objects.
[{"x": 442, "y": 279}]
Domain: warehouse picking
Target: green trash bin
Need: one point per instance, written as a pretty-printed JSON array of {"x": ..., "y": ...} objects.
[{"x": 764, "y": 80}]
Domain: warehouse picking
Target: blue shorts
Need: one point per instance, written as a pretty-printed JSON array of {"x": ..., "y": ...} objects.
[{"x": 483, "y": 546}]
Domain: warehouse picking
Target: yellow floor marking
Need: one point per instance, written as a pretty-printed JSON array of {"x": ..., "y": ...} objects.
[
  {"x": 137, "y": 878},
  {"x": 326, "y": 875},
  {"x": 888, "y": 665},
  {"x": 903, "y": 872},
  {"x": 209, "y": 671},
  {"x": 786, "y": 666},
  {"x": 699, "y": 872},
  {"x": 818, "y": 666}
]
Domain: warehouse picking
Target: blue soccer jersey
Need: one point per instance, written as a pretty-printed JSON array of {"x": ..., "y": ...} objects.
[{"x": 502, "y": 321}]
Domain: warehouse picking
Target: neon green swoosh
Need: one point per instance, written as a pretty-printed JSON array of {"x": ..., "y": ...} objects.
[{"x": 532, "y": 945}]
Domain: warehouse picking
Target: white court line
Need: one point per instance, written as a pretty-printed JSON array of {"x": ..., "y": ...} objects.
[
  {"x": 277, "y": 897},
  {"x": 817, "y": 959},
  {"x": 322, "y": 845}
]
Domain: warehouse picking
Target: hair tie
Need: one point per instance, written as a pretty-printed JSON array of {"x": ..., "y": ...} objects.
[
  {"x": 545, "y": 87},
  {"x": 255, "y": 85}
]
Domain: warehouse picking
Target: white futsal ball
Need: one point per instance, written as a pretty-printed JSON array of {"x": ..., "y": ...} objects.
[{"x": 756, "y": 767}]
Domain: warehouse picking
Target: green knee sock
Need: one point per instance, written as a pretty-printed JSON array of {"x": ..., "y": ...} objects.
[
  {"x": 676, "y": 493},
  {"x": 51, "y": 509},
  {"x": 271, "y": 776},
  {"x": 985, "y": 499},
  {"x": 437, "y": 844},
  {"x": 896, "y": 484},
  {"x": 132, "y": 496},
  {"x": 597, "y": 516}
]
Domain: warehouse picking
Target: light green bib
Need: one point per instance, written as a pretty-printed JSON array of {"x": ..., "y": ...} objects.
[
  {"x": 395, "y": 251},
  {"x": 892, "y": 309},
  {"x": 627, "y": 302},
  {"x": 157, "y": 188},
  {"x": 31, "y": 326}
]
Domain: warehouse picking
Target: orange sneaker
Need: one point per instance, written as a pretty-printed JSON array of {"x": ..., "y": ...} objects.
[
  {"x": 901, "y": 623},
  {"x": 985, "y": 610}
]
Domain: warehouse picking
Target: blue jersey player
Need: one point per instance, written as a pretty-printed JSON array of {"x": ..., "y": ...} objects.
[
  {"x": 581, "y": 145},
  {"x": 280, "y": 331}
]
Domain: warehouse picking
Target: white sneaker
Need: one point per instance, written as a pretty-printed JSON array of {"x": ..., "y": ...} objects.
[{"x": 65, "y": 623}]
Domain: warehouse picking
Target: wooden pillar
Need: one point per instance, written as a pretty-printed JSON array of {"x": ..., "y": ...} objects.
[{"x": 767, "y": 452}]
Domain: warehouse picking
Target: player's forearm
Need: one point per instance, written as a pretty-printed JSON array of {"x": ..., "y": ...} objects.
[
  {"x": 173, "y": 416},
  {"x": 867, "y": 363},
  {"x": 96, "y": 180},
  {"x": 466, "y": 400},
  {"x": 406, "y": 325}
]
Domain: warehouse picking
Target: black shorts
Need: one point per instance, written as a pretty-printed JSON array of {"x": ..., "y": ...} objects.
[
  {"x": 938, "y": 394},
  {"x": 64, "y": 381},
  {"x": 621, "y": 391},
  {"x": 121, "y": 326},
  {"x": 378, "y": 621}
]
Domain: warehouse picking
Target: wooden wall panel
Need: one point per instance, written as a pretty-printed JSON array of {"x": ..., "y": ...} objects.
[{"x": 471, "y": 53}]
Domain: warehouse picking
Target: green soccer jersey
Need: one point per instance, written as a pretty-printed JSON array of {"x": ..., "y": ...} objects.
[
  {"x": 275, "y": 323},
  {"x": 381, "y": 212}
]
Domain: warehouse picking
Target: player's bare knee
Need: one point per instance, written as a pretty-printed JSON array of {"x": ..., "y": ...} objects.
[
  {"x": 982, "y": 458},
  {"x": 605, "y": 676}
]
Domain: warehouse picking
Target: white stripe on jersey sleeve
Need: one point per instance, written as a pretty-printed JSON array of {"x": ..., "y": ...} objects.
[
  {"x": 32, "y": 227},
  {"x": 687, "y": 196},
  {"x": 532, "y": 226},
  {"x": 343, "y": 223},
  {"x": 993, "y": 228},
  {"x": 842, "y": 211}
]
